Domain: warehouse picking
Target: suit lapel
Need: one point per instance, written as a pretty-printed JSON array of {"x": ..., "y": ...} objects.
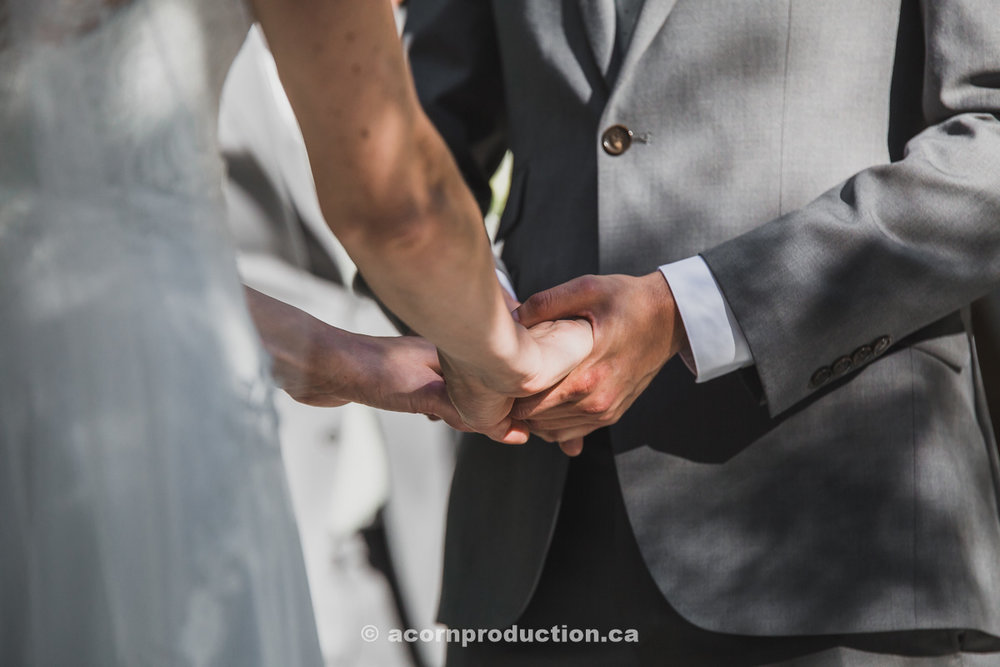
[
  {"x": 599, "y": 26},
  {"x": 653, "y": 15}
]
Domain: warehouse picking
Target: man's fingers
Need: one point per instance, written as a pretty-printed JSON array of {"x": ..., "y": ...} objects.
[
  {"x": 600, "y": 408},
  {"x": 534, "y": 406},
  {"x": 566, "y": 435},
  {"x": 564, "y": 301},
  {"x": 572, "y": 447},
  {"x": 577, "y": 386},
  {"x": 509, "y": 432},
  {"x": 558, "y": 416},
  {"x": 563, "y": 423}
]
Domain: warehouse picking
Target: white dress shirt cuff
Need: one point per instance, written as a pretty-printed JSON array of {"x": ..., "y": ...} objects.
[{"x": 718, "y": 345}]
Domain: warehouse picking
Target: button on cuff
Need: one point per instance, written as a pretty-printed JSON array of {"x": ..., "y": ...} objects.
[
  {"x": 862, "y": 355},
  {"x": 820, "y": 377},
  {"x": 881, "y": 344},
  {"x": 842, "y": 366}
]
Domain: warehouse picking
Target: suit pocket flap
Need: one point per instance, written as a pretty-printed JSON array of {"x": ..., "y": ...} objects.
[{"x": 946, "y": 341}]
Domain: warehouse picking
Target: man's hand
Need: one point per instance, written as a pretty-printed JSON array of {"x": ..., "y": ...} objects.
[
  {"x": 636, "y": 328},
  {"x": 550, "y": 349}
]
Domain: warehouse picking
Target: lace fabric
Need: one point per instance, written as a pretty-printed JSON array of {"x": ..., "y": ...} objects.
[{"x": 146, "y": 517}]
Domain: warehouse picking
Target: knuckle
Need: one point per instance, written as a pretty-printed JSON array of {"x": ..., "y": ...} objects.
[
  {"x": 616, "y": 412},
  {"x": 588, "y": 284},
  {"x": 599, "y": 405},
  {"x": 587, "y": 383},
  {"x": 608, "y": 420}
]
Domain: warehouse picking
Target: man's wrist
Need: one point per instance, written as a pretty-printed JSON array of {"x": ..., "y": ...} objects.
[{"x": 669, "y": 318}]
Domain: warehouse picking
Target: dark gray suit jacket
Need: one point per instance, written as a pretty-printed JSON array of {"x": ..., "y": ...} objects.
[{"x": 837, "y": 165}]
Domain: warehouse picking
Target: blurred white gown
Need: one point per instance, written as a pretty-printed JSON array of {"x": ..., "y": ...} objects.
[{"x": 144, "y": 517}]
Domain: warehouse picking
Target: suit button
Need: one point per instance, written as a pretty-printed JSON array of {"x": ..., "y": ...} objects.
[
  {"x": 881, "y": 344},
  {"x": 820, "y": 377},
  {"x": 616, "y": 139},
  {"x": 842, "y": 365},
  {"x": 862, "y": 355}
]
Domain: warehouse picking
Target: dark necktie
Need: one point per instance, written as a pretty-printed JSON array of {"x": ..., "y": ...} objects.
[{"x": 626, "y": 15}]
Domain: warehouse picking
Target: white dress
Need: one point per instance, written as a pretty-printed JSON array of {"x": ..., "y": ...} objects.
[{"x": 144, "y": 517}]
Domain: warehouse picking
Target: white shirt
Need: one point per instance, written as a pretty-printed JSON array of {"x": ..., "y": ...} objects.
[{"x": 718, "y": 345}]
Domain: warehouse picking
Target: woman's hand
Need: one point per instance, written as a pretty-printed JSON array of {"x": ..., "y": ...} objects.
[
  {"x": 322, "y": 365},
  {"x": 401, "y": 374},
  {"x": 547, "y": 353}
]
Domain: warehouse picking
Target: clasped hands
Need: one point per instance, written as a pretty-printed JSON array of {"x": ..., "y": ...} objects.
[
  {"x": 596, "y": 342},
  {"x": 583, "y": 353}
]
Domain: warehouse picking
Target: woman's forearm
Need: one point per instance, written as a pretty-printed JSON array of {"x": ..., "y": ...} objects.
[
  {"x": 306, "y": 359},
  {"x": 387, "y": 184}
]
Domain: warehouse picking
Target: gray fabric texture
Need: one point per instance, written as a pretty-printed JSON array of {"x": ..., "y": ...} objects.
[{"x": 838, "y": 167}]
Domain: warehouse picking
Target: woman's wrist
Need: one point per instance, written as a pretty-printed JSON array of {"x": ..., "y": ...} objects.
[{"x": 506, "y": 368}]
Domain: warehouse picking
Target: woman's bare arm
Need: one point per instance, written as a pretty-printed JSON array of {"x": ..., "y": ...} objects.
[{"x": 392, "y": 194}]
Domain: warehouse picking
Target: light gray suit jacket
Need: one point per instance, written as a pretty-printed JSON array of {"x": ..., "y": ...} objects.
[{"x": 837, "y": 165}]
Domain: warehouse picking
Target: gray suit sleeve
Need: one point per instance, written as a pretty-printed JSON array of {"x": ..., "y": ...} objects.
[
  {"x": 454, "y": 57},
  {"x": 894, "y": 248}
]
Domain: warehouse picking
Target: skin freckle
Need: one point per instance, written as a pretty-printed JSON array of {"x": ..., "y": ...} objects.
[
  {"x": 350, "y": 36},
  {"x": 365, "y": 133},
  {"x": 355, "y": 68}
]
